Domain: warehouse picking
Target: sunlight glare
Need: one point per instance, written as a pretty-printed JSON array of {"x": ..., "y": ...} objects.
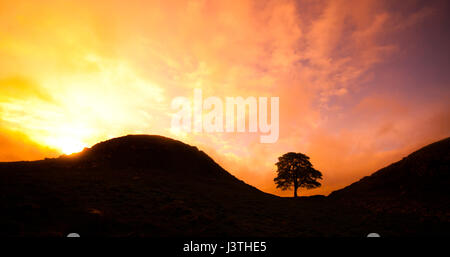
[{"x": 70, "y": 146}]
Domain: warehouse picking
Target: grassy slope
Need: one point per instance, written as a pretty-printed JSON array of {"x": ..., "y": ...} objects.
[{"x": 154, "y": 186}]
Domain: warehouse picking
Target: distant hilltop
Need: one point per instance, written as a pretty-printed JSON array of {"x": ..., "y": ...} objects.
[{"x": 425, "y": 172}]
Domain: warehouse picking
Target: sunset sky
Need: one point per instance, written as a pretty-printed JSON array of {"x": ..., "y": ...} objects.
[{"x": 361, "y": 83}]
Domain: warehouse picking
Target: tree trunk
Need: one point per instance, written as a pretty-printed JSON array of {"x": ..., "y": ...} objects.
[{"x": 295, "y": 184}]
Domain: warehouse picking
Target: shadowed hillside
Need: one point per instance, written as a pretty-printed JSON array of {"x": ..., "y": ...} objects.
[
  {"x": 425, "y": 172},
  {"x": 419, "y": 182},
  {"x": 154, "y": 186}
]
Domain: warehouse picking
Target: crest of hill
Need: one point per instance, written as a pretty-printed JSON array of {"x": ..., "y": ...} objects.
[
  {"x": 423, "y": 173},
  {"x": 160, "y": 157}
]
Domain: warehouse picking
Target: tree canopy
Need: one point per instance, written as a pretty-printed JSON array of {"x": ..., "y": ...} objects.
[{"x": 295, "y": 170}]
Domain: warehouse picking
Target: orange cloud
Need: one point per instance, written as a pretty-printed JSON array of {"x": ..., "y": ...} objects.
[{"x": 16, "y": 146}]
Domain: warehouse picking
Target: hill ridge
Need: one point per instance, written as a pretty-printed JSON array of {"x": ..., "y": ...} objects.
[{"x": 425, "y": 169}]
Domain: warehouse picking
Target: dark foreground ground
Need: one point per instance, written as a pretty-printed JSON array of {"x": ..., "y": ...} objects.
[{"x": 153, "y": 186}]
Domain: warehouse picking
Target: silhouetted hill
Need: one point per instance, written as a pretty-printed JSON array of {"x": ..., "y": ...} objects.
[
  {"x": 424, "y": 173},
  {"x": 142, "y": 185},
  {"x": 160, "y": 157},
  {"x": 417, "y": 185}
]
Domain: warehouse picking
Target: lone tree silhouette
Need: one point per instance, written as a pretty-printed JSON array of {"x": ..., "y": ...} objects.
[{"x": 295, "y": 170}]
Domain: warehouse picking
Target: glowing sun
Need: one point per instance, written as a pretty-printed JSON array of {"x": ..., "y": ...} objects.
[{"x": 70, "y": 146}]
